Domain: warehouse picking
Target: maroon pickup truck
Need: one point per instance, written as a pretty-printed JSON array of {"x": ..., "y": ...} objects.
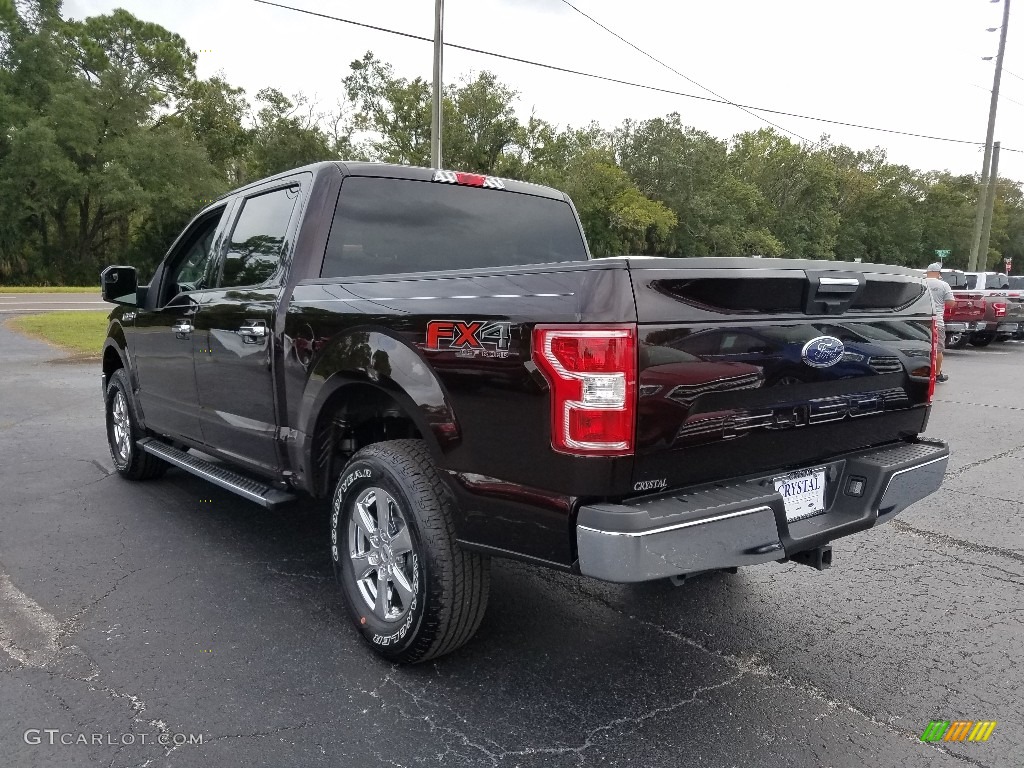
[
  {"x": 1004, "y": 308},
  {"x": 437, "y": 357},
  {"x": 964, "y": 318}
]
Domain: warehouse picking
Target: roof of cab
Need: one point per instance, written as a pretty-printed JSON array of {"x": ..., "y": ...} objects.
[
  {"x": 415, "y": 173},
  {"x": 392, "y": 171}
]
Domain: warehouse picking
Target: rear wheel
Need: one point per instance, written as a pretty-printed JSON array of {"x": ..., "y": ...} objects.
[
  {"x": 981, "y": 339},
  {"x": 412, "y": 591},
  {"x": 123, "y": 432},
  {"x": 956, "y": 340}
]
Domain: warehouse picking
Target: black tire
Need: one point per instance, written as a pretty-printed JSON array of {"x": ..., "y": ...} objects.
[
  {"x": 124, "y": 430},
  {"x": 957, "y": 340},
  {"x": 981, "y": 339},
  {"x": 435, "y": 593}
]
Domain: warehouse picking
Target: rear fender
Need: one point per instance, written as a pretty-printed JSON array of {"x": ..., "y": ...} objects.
[{"x": 377, "y": 359}]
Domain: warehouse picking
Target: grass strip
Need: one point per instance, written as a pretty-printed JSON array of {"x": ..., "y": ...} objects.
[{"x": 79, "y": 332}]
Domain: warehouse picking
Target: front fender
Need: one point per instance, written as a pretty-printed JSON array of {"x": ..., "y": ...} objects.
[{"x": 117, "y": 341}]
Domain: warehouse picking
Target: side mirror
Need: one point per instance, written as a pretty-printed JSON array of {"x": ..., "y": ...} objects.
[{"x": 120, "y": 285}]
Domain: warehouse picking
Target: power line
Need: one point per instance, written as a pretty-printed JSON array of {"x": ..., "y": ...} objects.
[
  {"x": 631, "y": 84},
  {"x": 1001, "y": 96},
  {"x": 687, "y": 78}
]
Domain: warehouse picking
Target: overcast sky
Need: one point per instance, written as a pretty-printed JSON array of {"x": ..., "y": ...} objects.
[{"x": 911, "y": 65}]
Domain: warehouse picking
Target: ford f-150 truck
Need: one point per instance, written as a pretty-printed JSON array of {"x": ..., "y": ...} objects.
[
  {"x": 1004, "y": 308},
  {"x": 437, "y": 354},
  {"x": 964, "y": 318}
]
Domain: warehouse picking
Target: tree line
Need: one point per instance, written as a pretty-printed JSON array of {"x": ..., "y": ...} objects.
[{"x": 109, "y": 143}]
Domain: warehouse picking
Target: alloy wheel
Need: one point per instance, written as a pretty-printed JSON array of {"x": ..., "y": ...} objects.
[
  {"x": 380, "y": 549},
  {"x": 121, "y": 427}
]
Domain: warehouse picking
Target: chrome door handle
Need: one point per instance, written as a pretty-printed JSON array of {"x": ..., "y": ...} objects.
[
  {"x": 182, "y": 329},
  {"x": 256, "y": 329}
]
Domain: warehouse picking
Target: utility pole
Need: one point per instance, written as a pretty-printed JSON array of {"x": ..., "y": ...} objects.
[
  {"x": 979, "y": 219},
  {"x": 435, "y": 113},
  {"x": 990, "y": 204}
]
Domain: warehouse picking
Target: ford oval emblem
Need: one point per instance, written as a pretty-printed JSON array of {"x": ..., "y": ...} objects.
[{"x": 823, "y": 352}]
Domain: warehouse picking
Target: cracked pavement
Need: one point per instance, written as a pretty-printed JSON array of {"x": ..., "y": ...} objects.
[{"x": 139, "y": 609}]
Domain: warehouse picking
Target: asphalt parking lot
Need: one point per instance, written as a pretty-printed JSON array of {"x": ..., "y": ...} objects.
[{"x": 173, "y": 611}]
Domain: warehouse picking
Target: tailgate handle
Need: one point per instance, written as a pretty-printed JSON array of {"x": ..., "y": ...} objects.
[
  {"x": 832, "y": 293},
  {"x": 837, "y": 284}
]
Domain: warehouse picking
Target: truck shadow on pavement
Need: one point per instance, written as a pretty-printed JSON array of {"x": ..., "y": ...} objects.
[{"x": 564, "y": 668}]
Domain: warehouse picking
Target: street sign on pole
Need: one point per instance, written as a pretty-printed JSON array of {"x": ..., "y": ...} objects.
[
  {"x": 943, "y": 254},
  {"x": 1009, "y": 264}
]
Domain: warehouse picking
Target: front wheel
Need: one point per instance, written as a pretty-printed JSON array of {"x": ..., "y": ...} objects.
[
  {"x": 412, "y": 591},
  {"x": 123, "y": 432}
]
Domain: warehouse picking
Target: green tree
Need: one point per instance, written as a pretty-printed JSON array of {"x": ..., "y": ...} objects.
[
  {"x": 86, "y": 162},
  {"x": 947, "y": 217},
  {"x": 393, "y": 110},
  {"x": 796, "y": 190},
  {"x": 213, "y": 113},
  {"x": 689, "y": 172},
  {"x": 480, "y": 126},
  {"x": 617, "y": 218},
  {"x": 287, "y": 134}
]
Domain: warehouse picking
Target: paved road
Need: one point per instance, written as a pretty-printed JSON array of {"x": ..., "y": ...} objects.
[
  {"x": 21, "y": 303},
  {"x": 171, "y": 607}
]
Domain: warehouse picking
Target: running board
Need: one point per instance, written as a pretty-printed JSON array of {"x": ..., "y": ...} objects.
[{"x": 265, "y": 495}]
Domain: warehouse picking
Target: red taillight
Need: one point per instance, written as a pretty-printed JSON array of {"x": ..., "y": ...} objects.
[
  {"x": 1000, "y": 308},
  {"x": 592, "y": 373},
  {"x": 934, "y": 359},
  {"x": 470, "y": 179}
]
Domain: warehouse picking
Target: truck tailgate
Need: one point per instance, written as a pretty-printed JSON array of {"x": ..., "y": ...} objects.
[{"x": 758, "y": 367}]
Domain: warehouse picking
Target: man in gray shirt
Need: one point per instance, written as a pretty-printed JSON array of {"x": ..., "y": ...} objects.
[{"x": 942, "y": 297}]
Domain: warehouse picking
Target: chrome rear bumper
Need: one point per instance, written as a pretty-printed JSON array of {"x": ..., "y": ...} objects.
[
  {"x": 965, "y": 327},
  {"x": 744, "y": 522}
]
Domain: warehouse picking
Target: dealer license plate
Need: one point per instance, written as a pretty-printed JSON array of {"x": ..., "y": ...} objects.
[{"x": 803, "y": 493}]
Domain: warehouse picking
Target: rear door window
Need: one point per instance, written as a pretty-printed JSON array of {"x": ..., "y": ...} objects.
[
  {"x": 257, "y": 243},
  {"x": 954, "y": 279},
  {"x": 390, "y": 226},
  {"x": 996, "y": 282}
]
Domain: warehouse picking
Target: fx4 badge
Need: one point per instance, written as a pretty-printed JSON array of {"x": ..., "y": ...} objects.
[{"x": 470, "y": 338}]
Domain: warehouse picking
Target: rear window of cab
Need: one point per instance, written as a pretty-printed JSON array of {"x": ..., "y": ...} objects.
[{"x": 391, "y": 226}]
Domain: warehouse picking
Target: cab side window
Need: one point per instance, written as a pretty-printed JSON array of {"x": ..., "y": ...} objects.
[
  {"x": 257, "y": 243},
  {"x": 192, "y": 276},
  {"x": 193, "y": 266}
]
